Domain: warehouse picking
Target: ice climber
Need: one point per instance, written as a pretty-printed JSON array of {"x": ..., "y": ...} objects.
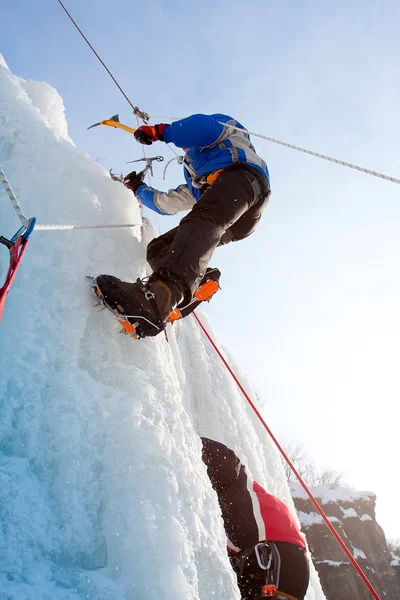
[
  {"x": 227, "y": 188},
  {"x": 265, "y": 546}
]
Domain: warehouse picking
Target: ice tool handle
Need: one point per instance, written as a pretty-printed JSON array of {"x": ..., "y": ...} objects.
[{"x": 149, "y": 163}]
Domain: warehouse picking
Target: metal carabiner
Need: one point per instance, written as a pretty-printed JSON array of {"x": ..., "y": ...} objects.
[{"x": 265, "y": 566}]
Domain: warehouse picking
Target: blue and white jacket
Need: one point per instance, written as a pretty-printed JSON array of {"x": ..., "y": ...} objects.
[{"x": 211, "y": 142}]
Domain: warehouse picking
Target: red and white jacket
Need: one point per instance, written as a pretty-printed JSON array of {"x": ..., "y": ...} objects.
[{"x": 250, "y": 514}]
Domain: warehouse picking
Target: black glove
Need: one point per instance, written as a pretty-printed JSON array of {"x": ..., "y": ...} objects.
[
  {"x": 147, "y": 134},
  {"x": 133, "y": 180}
]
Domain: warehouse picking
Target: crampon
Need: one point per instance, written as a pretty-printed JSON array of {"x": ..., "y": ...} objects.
[
  {"x": 128, "y": 328},
  {"x": 205, "y": 292},
  {"x": 127, "y": 302}
]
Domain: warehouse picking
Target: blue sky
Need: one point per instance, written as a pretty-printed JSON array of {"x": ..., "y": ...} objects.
[{"x": 310, "y": 302}]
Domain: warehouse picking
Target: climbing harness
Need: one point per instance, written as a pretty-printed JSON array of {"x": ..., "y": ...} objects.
[
  {"x": 267, "y": 558},
  {"x": 291, "y": 465},
  {"x": 17, "y": 244}
]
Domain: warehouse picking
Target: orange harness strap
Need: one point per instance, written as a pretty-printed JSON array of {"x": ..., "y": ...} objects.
[{"x": 213, "y": 176}]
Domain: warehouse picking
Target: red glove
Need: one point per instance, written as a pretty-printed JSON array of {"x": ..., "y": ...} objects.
[{"x": 147, "y": 134}]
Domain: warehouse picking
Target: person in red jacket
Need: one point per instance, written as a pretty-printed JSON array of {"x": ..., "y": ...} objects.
[{"x": 265, "y": 545}]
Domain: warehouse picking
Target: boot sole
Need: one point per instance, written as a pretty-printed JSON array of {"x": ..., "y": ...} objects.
[{"x": 129, "y": 312}]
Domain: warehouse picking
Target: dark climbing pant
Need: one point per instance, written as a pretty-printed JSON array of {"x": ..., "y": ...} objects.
[{"x": 229, "y": 210}]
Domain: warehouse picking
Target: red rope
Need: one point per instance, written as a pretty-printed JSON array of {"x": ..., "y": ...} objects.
[{"x": 289, "y": 462}]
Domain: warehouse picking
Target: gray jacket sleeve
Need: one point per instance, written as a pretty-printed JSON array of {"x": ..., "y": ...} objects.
[{"x": 166, "y": 203}]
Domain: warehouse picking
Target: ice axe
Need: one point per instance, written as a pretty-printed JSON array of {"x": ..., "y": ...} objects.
[
  {"x": 149, "y": 163},
  {"x": 114, "y": 122},
  {"x": 148, "y": 167}
]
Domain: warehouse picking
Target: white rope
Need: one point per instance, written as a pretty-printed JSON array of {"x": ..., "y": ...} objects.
[
  {"x": 171, "y": 149},
  {"x": 148, "y": 172},
  {"x": 13, "y": 199},
  {"x": 68, "y": 227},
  {"x": 329, "y": 158},
  {"x": 334, "y": 160},
  {"x": 168, "y": 118}
]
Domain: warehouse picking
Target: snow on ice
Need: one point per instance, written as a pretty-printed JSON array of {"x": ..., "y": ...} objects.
[
  {"x": 103, "y": 494},
  {"x": 313, "y": 518},
  {"x": 366, "y": 517},
  {"x": 348, "y": 513},
  {"x": 357, "y": 553},
  {"x": 326, "y": 494},
  {"x": 333, "y": 563}
]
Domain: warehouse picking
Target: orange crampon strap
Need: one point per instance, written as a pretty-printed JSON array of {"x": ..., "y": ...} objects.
[
  {"x": 204, "y": 293},
  {"x": 126, "y": 326},
  {"x": 207, "y": 290},
  {"x": 175, "y": 315}
]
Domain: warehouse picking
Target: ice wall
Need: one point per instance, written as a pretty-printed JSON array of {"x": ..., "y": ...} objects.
[{"x": 103, "y": 493}]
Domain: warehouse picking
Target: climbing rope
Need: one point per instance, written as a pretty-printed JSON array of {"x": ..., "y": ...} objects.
[
  {"x": 26, "y": 222},
  {"x": 13, "y": 198},
  {"x": 311, "y": 152},
  {"x": 148, "y": 172},
  {"x": 136, "y": 110},
  {"x": 291, "y": 465},
  {"x": 69, "y": 227},
  {"x": 334, "y": 160}
]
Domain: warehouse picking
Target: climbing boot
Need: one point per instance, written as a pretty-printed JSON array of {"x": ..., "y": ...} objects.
[
  {"x": 209, "y": 285},
  {"x": 142, "y": 308},
  {"x": 164, "y": 296}
]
